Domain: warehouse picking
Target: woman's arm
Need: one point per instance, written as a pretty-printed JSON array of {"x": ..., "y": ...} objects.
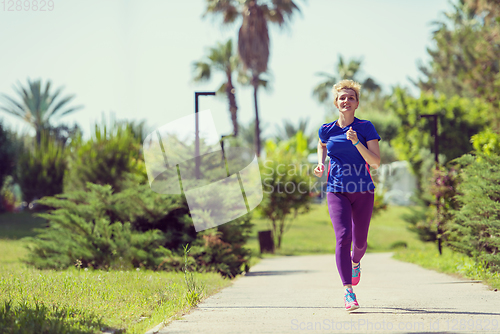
[
  {"x": 370, "y": 154},
  {"x": 318, "y": 171}
]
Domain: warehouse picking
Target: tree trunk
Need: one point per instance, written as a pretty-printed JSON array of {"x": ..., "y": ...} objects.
[
  {"x": 255, "y": 84},
  {"x": 38, "y": 135},
  {"x": 233, "y": 108}
]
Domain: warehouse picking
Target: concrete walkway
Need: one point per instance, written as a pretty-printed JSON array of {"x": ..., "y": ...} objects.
[{"x": 304, "y": 294}]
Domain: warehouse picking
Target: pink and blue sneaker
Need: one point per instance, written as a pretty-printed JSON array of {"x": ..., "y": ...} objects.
[
  {"x": 356, "y": 274},
  {"x": 350, "y": 301}
]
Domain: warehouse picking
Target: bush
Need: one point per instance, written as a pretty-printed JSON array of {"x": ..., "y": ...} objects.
[
  {"x": 133, "y": 228},
  {"x": 111, "y": 156},
  {"x": 40, "y": 171},
  {"x": 8, "y": 149},
  {"x": 476, "y": 224},
  {"x": 80, "y": 231},
  {"x": 486, "y": 142}
]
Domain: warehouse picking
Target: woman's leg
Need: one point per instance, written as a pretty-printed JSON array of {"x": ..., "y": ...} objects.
[
  {"x": 362, "y": 208},
  {"x": 339, "y": 207}
]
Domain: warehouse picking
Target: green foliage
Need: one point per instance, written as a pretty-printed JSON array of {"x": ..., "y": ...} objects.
[
  {"x": 450, "y": 262},
  {"x": 431, "y": 222},
  {"x": 40, "y": 170},
  {"x": 133, "y": 228},
  {"x": 8, "y": 149},
  {"x": 7, "y": 197},
  {"x": 38, "y": 105},
  {"x": 286, "y": 183},
  {"x": 81, "y": 230},
  {"x": 486, "y": 141},
  {"x": 111, "y": 156},
  {"x": 458, "y": 119},
  {"x": 476, "y": 224},
  {"x": 464, "y": 58}
]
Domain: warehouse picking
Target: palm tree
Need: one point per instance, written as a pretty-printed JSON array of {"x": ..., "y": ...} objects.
[
  {"x": 253, "y": 36},
  {"x": 221, "y": 58},
  {"x": 37, "y": 106},
  {"x": 345, "y": 70},
  {"x": 289, "y": 130}
]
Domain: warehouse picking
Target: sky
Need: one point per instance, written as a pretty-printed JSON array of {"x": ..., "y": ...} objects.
[{"x": 134, "y": 59}]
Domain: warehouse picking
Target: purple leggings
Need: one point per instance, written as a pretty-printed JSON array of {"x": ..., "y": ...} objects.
[{"x": 350, "y": 214}]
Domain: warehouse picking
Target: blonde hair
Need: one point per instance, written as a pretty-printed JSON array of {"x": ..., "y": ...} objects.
[{"x": 346, "y": 84}]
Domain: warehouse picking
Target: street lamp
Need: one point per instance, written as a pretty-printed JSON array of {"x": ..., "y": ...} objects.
[{"x": 196, "y": 131}]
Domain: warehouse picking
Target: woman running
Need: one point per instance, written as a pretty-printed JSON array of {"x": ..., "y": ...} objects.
[{"x": 353, "y": 148}]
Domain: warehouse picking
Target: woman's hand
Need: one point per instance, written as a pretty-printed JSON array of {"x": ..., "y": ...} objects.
[
  {"x": 318, "y": 171},
  {"x": 352, "y": 135}
]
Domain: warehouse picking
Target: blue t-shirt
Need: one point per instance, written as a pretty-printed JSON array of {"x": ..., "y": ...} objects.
[{"x": 348, "y": 170}]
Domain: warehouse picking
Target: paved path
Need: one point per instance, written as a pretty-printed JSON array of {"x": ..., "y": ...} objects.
[{"x": 304, "y": 294}]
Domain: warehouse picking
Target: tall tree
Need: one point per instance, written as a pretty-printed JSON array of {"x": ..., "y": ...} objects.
[
  {"x": 221, "y": 58},
  {"x": 253, "y": 36},
  {"x": 38, "y": 106},
  {"x": 464, "y": 58}
]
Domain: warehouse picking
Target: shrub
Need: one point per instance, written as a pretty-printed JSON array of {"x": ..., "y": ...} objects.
[
  {"x": 40, "y": 171},
  {"x": 486, "y": 142},
  {"x": 8, "y": 149},
  {"x": 133, "y": 228},
  {"x": 476, "y": 224},
  {"x": 217, "y": 249},
  {"x": 111, "y": 156},
  {"x": 80, "y": 230},
  {"x": 432, "y": 222}
]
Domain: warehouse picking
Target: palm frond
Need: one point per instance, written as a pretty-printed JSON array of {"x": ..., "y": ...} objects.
[
  {"x": 47, "y": 114},
  {"x": 202, "y": 71},
  {"x": 227, "y": 8}
]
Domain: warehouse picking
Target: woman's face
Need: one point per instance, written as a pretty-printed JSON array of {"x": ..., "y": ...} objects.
[{"x": 346, "y": 101}]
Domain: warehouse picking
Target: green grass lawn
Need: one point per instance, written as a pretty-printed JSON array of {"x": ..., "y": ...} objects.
[
  {"x": 312, "y": 233},
  {"x": 427, "y": 256},
  {"x": 85, "y": 301}
]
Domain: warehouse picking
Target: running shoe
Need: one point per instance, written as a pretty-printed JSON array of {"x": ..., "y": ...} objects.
[
  {"x": 350, "y": 301},
  {"x": 356, "y": 274}
]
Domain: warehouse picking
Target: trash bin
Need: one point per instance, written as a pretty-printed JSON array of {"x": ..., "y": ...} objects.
[{"x": 266, "y": 241}]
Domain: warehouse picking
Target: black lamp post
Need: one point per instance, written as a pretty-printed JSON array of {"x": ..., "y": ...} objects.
[{"x": 197, "y": 132}]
